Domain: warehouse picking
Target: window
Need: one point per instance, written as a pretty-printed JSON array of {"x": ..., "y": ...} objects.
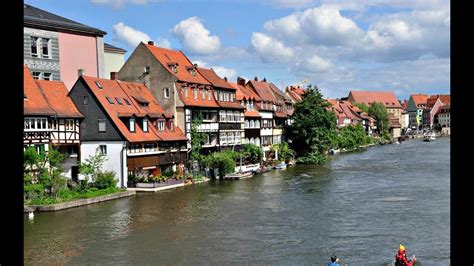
[
  {"x": 237, "y": 116},
  {"x": 265, "y": 123},
  {"x": 161, "y": 125},
  {"x": 222, "y": 116},
  {"x": 34, "y": 46},
  {"x": 230, "y": 116},
  {"x": 118, "y": 100},
  {"x": 45, "y": 47},
  {"x": 132, "y": 124},
  {"x": 209, "y": 95},
  {"x": 186, "y": 93},
  {"x": 237, "y": 137},
  {"x": 230, "y": 138},
  {"x": 126, "y": 101},
  {"x": 103, "y": 149},
  {"x": 27, "y": 123},
  {"x": 109, "y": 100},
  {"x": 102, "y": 125},
  {"x": 166, "y": 92},
  {"x": 69, "y": 125},
  {"x": 47, "y": 76},
  {"x": 195, "y": 94},
  {"x": 98, "y": 85},
  {"x": 86, "y": 100},
  {"x": 145, "y": 124},
  {"x": 252, "y": 124},
  {"x": 257, "y": 124},
  {"x": 150, "y": 146},
  {"x": 247, "y": 124},
  {"x": 36, "y": 75},
  {"x": 223, "y": 139},
  {"x": 203, "y": 94},
  {"x": 171, "y": 124},
  {"x": 221, "y": 96}
]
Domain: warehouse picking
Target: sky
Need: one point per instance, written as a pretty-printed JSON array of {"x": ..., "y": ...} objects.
[{"x": 377, "y": 45}]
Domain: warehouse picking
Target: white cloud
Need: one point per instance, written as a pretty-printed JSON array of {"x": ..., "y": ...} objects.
[
  {"x": 269, "y": 49},
  {"x": 322, "y": 25},
  {"x": 132, "y": 37},
  {"x": 316, "y": 64},
  {"x": 195, "y": 38},
  {"x": 221, "y": 71},
  {"x": 117, "y": 4}
]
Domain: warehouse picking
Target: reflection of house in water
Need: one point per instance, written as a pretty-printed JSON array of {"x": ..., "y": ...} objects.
[
  {"x": 51, "y": 119},
  {"x": 125, "y": 123}
]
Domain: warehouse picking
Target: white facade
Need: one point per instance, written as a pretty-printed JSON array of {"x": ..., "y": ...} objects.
[
  {"x": 116, "y": 154},
  {"x": 113, "y": 62}
]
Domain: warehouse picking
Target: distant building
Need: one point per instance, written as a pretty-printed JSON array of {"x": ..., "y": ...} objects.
[
  {"x": 295, "y": 93},
  {"x": 114, "y": 58},
  {"x": 56, "y": 47},
  {"x": 433, "y": 103},
  {"x": 444, "y": 118},
  {"x": 416, "y": 104}
]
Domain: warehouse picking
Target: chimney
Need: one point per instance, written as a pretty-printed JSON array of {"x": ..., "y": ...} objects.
[
  {"x": 240, "y": 81},
  {"x": 225, "y": 78},
  {"x": 264, "y": 80},
  {"x": 256, "y": 79},
  {"x": 113, "y": 75},
  {"x": 195, "y": 65},
  {"x": 151, "y": 42},
  {"x": 80, "y": 72}
]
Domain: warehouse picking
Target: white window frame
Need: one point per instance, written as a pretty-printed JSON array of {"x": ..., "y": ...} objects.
[
  {"x": 166, "y": 93},
  {"x": 48, "y": 48},
  {"x": 131, "y": 124},
  {"x": 161, "y": 125},
  {"x": 195, "y": 92},
  {"x": 50, "y": 76},
  {"x": 257, "y": 123},
  {"x": 247, "y": 124},
  {"x": 69, "y": 125},
  {"x": 102, "y": 149},
  {"x": 145, "y": 124},
  {"x": 222, "y": 116}
]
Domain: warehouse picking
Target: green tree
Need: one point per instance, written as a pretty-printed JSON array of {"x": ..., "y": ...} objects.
[
  {"x": 51, "y": 177},
  {"x": 285, "y": 153},
  {"x": 362, "y": 107},
  {"x": 30, "y": 158},
  {"x": 223, "y": 162},
  {"x": 92, "y": 165},
  {"x": 252, "y": 152},
  {"x": 352, "y": 137},
  {"x": 197, "y": 140},
  {"x": 379, "y": 112},
  {"x": 313, "y": 125}
]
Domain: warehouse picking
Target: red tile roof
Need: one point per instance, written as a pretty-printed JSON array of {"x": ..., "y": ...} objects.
[
  {"x": 404, "y": 104},
  {"x": 57, "y": 97},
  {"x": 280, "y": 114},
  {"x": 263, "y": 90},
  {"x": 252, "y": 113},
  {"x": 168, "y": 56},
  {"x": 232, "y": 105},
  {"x": 279, "y": 95},
  {"x": 199, "y": 102},
  {"x": 214, "y": 79},
  {"x": 445, "y": 99},
  {"x": 367, "y": 97},
  {"x": 419, "y": 98},
  {"x": 244, "y": 93},
  {"x": 35, "y": 102},
  {"x": 131, "y": 91},
  {"x": 295, "y": 92}
]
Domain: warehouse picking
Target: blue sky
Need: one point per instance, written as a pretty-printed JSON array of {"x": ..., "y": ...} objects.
[{"x": 340, "y": 45}]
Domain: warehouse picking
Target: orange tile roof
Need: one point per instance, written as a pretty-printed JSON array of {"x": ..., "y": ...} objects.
[
  {"x": 419, "y": 98},
  {"x": 404, "y": 104},
  {"x": 214, "y": 79},
  {"x": 279, "y": 95},
  {"x": 35, "y": 102},
  {"x": 244, "y": 93},
  {"x": 232, "y": 105},
  {"x": 387, "y": 98},
  {"x": 57, "y": 97},
  {"x": 130, "y": 91},
  {"x": 263, "y": 90},
  {"x": 445, "y": 99},
  {"x": 252, "y": 113},
  {"x": 199, "y": 102},
  {"x": 166, "y": 56},
  {"x": 280, "y": 114}
]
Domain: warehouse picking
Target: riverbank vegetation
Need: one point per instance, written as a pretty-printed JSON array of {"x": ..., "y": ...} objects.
[
  {"x": 313, "y": 131},
  {"x": 44, "y": 182}
]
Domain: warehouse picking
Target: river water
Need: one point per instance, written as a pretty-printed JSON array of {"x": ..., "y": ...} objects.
[{"x": 359, "y": 206}]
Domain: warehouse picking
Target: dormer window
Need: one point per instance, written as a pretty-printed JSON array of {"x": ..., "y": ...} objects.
[
  {"x": 193, "y": 72},
  {"x": 161, "y": 125},
  {"x": 195, "y": 93},
  {"x": 173, "y": 66},
  {"x": 171, "y": 124},
  {"x": 186, "y": 93},
  {"x": 132, "y": 124}
]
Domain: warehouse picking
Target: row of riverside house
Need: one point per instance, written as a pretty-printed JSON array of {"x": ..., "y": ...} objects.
[{"x": 83, "y": 98}]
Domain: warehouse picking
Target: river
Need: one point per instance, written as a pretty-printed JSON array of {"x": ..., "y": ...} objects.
[{"x": 360, "y": 206}]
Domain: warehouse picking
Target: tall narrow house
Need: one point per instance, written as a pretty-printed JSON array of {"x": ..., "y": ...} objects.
[
  {"x": 178, "y": 87},
  {"x": 125, "y": 123},
  {"x": 231, "y": 117}
]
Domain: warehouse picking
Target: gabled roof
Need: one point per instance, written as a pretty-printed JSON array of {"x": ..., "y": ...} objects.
[
  {"x": 214, "y": 79},
  {"x": 200, "y": 102},
  {"x": 445, "y": 99},
  {"x": 114, "y": 49},
  {"x": 244, "y": 93},
  {"x": 419, "y": 98},
  {"x": 279, "y": 95},
  {"x": 34, "y": 102},
  {"x": 252, "y": 113},
  {"x": 168, "y": 56},
  {"x": 387, "y": 98},
  {"x": 56, "y": 95},
  {"x": 404, "y": 104},
  {"x": 263, "y": 90},
  {"x": 295, "y": 92},
  {"x": 38, "y": 18},
  {"x": 115, "y": 89}
]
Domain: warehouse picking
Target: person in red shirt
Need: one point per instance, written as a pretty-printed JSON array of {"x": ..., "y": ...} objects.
[{"x": 401, "y": 258}]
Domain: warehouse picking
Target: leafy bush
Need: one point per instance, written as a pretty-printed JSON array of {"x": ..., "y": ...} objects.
[
  {"x": 312, "y": 158},
  {"x": 105, "y": 180},
  {"x": 252, "y": 152},
  {"x": 33, "y": 191}
]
